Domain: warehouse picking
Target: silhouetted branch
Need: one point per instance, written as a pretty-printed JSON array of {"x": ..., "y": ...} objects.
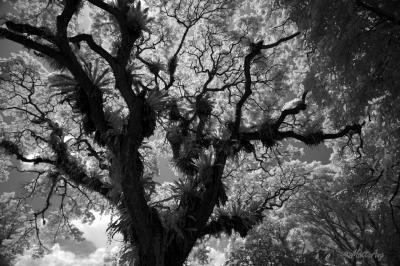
[
  {"x": 318, "y": 137},
  {"x": 255, "y": 49},
  {"x": 292, "y": 111},
  {"x": 31, "y": 30},
  {"x": 379, "y": 12},
  {"x": 94, "y": 46},
  {"x": 275, "y": 44},
  {"x": 227, "y": 224},
  {"x": 63, "y": 20},
  {"x": 13, "y": 149},
  {"x": 30, "y": 44}
]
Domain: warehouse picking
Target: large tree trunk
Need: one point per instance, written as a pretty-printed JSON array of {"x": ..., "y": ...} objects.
[
  {"x": 159, "y": 254},
  {"x": 175, "y": 254},
  {"x": 154, "y": 256}
]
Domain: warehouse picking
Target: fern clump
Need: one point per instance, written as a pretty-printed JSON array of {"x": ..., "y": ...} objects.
[
  {"x": 174, "y": 113},
  {"x": 204, "y": 106},
  {"x": 155, "y": 67},
  {"x": 186, "y": 165},
  {"x": 74, "y": 94},
  {"x": 138, "y": 19},
  {"x": 267, "y": 134},
  {"x": 157, "y": 99}
]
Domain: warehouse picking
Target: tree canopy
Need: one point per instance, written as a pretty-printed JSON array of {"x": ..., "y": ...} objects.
[
  {"x": 349, "y": 211},
  {"x": 226, "y": 90}
]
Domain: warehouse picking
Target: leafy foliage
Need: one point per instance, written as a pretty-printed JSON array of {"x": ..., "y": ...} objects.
[
  {"x": 278, "y": 241},
  {"x": 208, "y": 85},
  {"x": 14, "y": 228},
  {"x": 353, "y": 48}
]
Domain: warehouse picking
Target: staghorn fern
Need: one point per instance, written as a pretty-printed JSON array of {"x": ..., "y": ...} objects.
[
  {"x": 155, "y": 67},
  {"x": 183, "y": 187},
  {"x": 186, "y": 165},
  {"x": 267, "y": 134},
  {"x": 127, "y": 255},
  {"x": 96, "y": 75},
  {"x": 122, "y": 225},
  {"x": 236, "y": 218},
  {"x": 157, "y": 100},
  {"x": 68, "y": 85},
  {"x": 204, "y": 106},
  {"x": 138, "y": 18},
  {"x": 73, "y": 93},
  {"x": 52, "y": 63}
]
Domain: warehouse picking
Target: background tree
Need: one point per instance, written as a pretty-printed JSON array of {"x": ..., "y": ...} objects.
[
  {"x": 279, "y": 240},
  {"x": 343, "y": 220},
  {"x": 14, "y": 231},
  {"x": 353, "y": 46},
  {"x": 353, "y": 49},
  {"x": 334, "y": 219},
  {"x": 209, "y": 82}
]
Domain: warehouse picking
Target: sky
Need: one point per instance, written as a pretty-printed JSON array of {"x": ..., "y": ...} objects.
[{"x": 96, "y": 248}]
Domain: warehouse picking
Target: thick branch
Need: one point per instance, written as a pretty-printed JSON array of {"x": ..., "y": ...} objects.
[
  {"x": 65, "y": 17},
  {"x": 311, "y": 139},
  {"x": 228, "y": 224},
  {"x": 31, "y": 30},
  {"x": 64, "y": 162},
  {"x": 275, "y": 44},
  {"x": 316, "y": 138},
  {"x": 13, "y": 149},
  {"x": 379, "y": 12},
  {"x": 256, "y": 49},
  {"x": 27, "y": 42},
  {"x": 67, "y": 164},
  {"x": 292, "y": 111},
  {"x": 94, "y": 46}
]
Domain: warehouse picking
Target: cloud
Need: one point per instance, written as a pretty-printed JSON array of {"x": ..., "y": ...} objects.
[
  {"x": 59, "y": 257},
  {"x": 96, "y": 231},
  {"x": 96, "y": 250},
  {"x": 81, "y": 248}
]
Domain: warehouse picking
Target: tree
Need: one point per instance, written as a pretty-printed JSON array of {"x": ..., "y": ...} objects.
[
  {"x": 353, "y": 50},
  {"x": 343, "y": 218},
  {"x": 14, "y": 232},
  {"x": 277, "y": 241},
  {"x": 333, "y": 220},
  {"x": 90, "y": 108}
]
